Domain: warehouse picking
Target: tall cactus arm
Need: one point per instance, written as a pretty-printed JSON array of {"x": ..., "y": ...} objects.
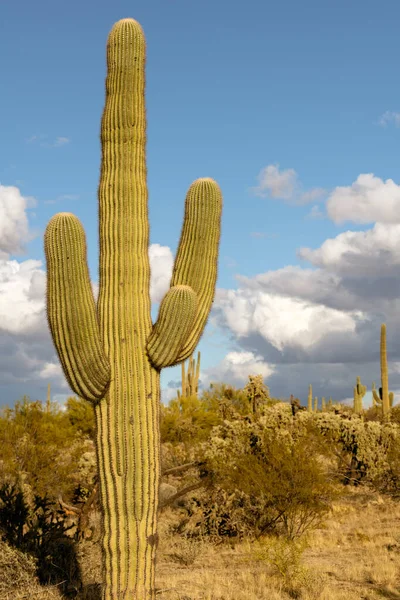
[
  {"x": 197, "y": 256},
  {"x": 195, "y": 266},
  {"x": 71, "y": 309}
]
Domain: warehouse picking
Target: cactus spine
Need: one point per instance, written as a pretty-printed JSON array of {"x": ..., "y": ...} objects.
[
  {"x": 359, "y": 393},
  {"x": 111, "y": 353},
  {"x": 190, "y": 380},
  {"x": 309, "y": 399}
]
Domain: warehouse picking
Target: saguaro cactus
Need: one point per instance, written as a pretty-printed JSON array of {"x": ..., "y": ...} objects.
[
  {"x": 309, "y": 399},
  {"x": 112, "y": 354},
  {"x": 359, "y": 392},
  {"x": 385, "y": 399},
  {"x": 190, "y": 380}
]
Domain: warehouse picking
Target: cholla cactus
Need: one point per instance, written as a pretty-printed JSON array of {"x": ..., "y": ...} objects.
[
  {"x": 323, "y": 404},
  {"x": 257, "y": 392},
  {"x": 111, "y": 353},
  {"x": 359, "y": 393}
]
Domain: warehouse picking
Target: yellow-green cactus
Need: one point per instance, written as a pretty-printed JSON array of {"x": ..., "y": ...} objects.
[
  {"x": 323, "y": 404},
  {"x": 359, "y": 393},
  {"x": 111, "y": 353},
  {"x": 316, "y": 404},
  {"x": 385, "y": 398},
  {"x": 190, "y": 380},
  {"x": 309, "y": 399}
]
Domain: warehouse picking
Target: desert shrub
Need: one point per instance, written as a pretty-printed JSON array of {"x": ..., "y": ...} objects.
[
  {"x": 80, "y": 414},
  {"x": 365, "y": 444},
  {"x": 285, "y": 558},
  {"x": 187, "y": 420},
  {"x": 40, "y": 532},
  {"x": 387, "y": 479},
  {"x": 17, "y": 570},
  {"x": 267, "y": 476},
  {"x": 395, "y": 414},
  {"x": 40, "y": 450}
]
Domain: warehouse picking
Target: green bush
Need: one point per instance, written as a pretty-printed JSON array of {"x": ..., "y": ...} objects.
[{"x": 40, "y": 451}]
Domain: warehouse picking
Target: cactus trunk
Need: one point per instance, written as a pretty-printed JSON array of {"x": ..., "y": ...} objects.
[
  {"x": 384, "y": 374},
  {"x": 112, "y": 354}
]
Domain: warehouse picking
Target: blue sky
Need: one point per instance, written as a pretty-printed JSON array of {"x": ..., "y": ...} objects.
[{"x": 283, "y": 104}]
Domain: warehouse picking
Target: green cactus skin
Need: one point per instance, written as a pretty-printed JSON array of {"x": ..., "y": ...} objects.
[
  {"x": 385, "y": 398},
  {"x": 190, "y": 380},
  {"x": 309, "y": 399},
  {"x": 384, "y": 373},
  {"x": 359, "y": 393},
  {"x": 111, "y": 353}
]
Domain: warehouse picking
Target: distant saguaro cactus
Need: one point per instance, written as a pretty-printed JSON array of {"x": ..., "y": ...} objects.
[
  {"x": 384, "y": 399},
  {"x": 359, "y": 393},
  {"x": 111, "y": 353},
  {"x": 190, "y": 379},
  {"x": 309, "y": 399}
]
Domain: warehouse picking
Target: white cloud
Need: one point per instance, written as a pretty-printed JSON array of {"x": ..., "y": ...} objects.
[
  {"x": 235, "y": 369},
  {"x": 22, "y": 288},
  {"x": 276, "y": 183},
  {"x": 368, "y": 199},
  {"x": 284, "y": 184},
  {"x": 281, "y": 320},
  {"x": 161, "y": 265},
  {"x": 389, "y": 117},
  {"x": 14, "y": 226},
  {"x": 358, "y": 252}
]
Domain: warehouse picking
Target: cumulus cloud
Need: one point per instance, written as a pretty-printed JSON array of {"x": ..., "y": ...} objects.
[
  {"x": 14, "y": 226},
  {"x": 236, "y": 367},
  {"x": 281, "y": 320},
  {"x": 372, "y": 252},
  {"x": 22, "y": 288},
  {"x": 321, "y": 325},
  {"x": 161, "y": 265},
  {"x": 368, "y": 199},
  {"x": 285, "y": 185}
]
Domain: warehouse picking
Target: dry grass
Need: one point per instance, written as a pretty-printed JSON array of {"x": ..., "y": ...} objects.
[{"x": 355, "y": 556}]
